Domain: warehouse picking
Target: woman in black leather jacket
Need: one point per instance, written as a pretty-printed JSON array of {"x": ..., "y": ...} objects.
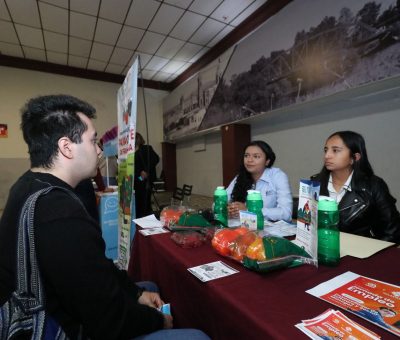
[{"x": 366, "y": 206}]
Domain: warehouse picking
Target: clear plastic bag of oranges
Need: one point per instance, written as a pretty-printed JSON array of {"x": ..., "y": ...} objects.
[{"x": 170, "y": 215}]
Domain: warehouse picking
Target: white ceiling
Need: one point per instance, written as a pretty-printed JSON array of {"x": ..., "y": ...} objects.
[{"x": 107, "y": 35}]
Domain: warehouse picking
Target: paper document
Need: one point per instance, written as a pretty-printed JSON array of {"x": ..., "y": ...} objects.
[
  {"x": 148, "y": 222},
  {"x": 212, "y": 271},
  {"x": 280, "y": 228},
  {"x": 359, "y": 246}
]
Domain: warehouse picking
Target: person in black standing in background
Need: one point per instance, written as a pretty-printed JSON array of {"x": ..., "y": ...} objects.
[{"x": 146, "y": 160}]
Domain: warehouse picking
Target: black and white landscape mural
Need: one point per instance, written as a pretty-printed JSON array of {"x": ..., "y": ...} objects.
[{"x": 310, "y": 49}]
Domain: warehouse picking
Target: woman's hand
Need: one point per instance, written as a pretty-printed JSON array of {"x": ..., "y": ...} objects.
[
  {"x": 151, "y": 299},
  {"x": 234, "y": 208}
]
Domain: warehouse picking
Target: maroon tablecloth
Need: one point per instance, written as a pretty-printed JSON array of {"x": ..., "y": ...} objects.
[{"x": 246, "y": 305}]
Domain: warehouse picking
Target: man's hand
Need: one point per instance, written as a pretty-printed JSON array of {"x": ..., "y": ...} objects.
[
  {"x": 151, "y": 299},
  {"x": 167, "y": 321}
]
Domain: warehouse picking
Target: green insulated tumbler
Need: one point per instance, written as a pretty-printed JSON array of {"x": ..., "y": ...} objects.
[
  {"x": 254, "y": 203},
  {"x": 328, "y": 232},
  {"x": 221, "y": 205}
]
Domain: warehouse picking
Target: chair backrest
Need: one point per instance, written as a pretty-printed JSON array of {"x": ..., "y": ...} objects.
[
  {"x": 187, "y": 191},
  {"x": 177, "y": 195}
]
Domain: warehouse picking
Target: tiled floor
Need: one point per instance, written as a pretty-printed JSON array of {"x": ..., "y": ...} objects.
[{"x": 195, "y": 201}]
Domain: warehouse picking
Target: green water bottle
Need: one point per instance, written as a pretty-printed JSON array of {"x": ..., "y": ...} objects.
[
  {"x": 328, "y": 232},
  {"x": 254, "y": 203},
  {"x": 221, "y": 205}
]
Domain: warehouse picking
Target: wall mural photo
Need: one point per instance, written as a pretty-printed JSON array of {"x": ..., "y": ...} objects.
[{"x": 310, "y": 49}]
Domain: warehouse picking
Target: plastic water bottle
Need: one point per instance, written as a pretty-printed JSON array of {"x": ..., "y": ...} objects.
[
  {"x": 221, "y": 205},
  {"x": 254, "y": 203},
  {"x": 328, "y": 232}
]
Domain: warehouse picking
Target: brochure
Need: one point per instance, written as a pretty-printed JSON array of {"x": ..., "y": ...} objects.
[
  {"x": 307, "y": 217},
  {"x": 372, "y": 300},
  {"x": 212, "y": 271},
  {"x": 153, "y": 231},
  {"x": 333, "y": 324},
  {"x": 248, "y": 219}
]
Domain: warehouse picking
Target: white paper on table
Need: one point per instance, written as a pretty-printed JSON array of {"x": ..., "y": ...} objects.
[
  {"x": 332, "y": 284},
  {"x": 211, "y": 271},
  {"x": 148, "y": 222},
  {"x": 153, "y": 231},
  {"x": 280, "y": 228},
  {"x": 359, "y": 246}
]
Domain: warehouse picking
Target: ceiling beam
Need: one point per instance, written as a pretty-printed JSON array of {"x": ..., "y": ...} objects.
[{"x": 36, "y": 65}]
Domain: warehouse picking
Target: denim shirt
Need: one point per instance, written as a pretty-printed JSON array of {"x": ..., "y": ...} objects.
[{"x": 276, "y": 194}]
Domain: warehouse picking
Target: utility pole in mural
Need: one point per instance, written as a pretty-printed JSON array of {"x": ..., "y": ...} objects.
[{"x": 127, "y": 110}]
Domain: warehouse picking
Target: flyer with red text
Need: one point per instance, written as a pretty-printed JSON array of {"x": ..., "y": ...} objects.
[
  {"x": 333, "y": 324},
  {"x": 372, "y": 300}
]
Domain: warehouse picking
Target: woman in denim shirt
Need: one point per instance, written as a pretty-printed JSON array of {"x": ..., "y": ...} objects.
[{"x": 256, "y": 172}]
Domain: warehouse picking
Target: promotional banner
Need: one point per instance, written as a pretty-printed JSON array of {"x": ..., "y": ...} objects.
[{"x": 127, "y": 107}]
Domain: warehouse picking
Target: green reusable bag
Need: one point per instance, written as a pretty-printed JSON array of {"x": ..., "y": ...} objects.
[
  {"x": 190, "y": 221},
  {"x": 280, "y": 253}
]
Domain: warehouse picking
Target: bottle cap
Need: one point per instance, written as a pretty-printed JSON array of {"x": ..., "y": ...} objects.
[
  {"x": 326, "y": 203},
  {"x": 253, "y": 195},
  {"x": 220, "y": 191}
]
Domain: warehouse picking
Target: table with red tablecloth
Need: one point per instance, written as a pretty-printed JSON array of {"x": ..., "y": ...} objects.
[{"x": 246, "y": 305}]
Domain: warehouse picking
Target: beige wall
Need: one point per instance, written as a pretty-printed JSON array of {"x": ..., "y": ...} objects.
[
  {"x": 17, "y": 86},
  {"x": 299, "y": 148},
  {"x": 202, "y": 169},
  {"x": 298, "y": 144}
]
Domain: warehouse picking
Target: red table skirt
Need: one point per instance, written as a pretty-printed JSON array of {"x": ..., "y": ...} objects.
[{"x": 246, "y": 305}]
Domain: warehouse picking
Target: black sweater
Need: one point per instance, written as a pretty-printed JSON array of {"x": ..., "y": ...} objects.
[{"x": 82, "y": 286}]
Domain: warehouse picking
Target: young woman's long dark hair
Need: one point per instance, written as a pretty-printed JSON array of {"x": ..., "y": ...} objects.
[
  {"x": 356, "y": 143},
  {"x": 244, "y": 180}
]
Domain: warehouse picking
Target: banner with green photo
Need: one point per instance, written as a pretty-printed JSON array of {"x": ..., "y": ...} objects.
[{"x": 127, "y": 110}]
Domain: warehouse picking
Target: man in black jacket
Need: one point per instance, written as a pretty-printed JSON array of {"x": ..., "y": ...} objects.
[
  {"x": 146, "y": 160},
  {"x": 83, "y": 288}
]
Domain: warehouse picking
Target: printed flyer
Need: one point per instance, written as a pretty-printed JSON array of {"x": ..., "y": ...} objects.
[
  {"x": 307, "y": 217},
  {"x": 333, "y": 324},
  {"x": 372, "y": 300},
  {"x": 212, "y": 271}
]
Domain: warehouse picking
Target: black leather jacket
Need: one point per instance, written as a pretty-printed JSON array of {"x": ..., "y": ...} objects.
[{"x": 368, "y": 209}]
